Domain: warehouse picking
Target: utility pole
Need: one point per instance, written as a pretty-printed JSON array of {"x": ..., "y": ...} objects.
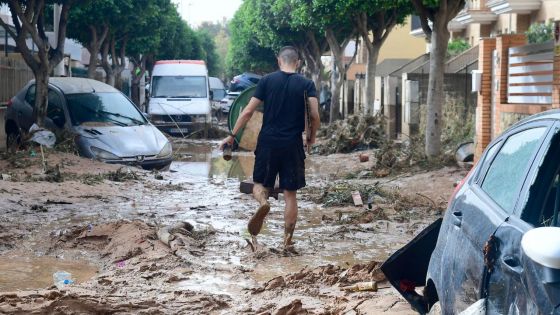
[{"x": 59, "y": 68}]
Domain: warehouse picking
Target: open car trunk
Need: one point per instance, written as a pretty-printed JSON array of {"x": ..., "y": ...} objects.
[{"x": 406, "y": 269}]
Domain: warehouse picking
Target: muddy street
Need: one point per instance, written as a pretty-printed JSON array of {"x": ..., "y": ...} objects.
[{"x": 101, "y": 224}]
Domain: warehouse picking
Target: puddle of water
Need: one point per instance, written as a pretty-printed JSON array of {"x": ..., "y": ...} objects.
[
  {"x": 212, "y": 284},
  {"x": 23, "y": 273}
]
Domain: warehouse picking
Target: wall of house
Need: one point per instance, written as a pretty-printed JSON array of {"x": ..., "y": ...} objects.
[
  {"x": 400, "y": 44},
  {"x": 475, "y": 31},
  {"x": 550, "y": 9}
]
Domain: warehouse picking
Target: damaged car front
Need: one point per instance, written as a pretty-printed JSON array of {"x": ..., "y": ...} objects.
[{"x": 499, "y": 240}]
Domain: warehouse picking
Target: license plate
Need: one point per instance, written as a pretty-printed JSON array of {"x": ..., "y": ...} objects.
[{"x": 179, "y": 130}]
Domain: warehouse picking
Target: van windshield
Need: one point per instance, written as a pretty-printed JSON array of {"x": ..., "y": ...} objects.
[{"x": 179, "y": 86}]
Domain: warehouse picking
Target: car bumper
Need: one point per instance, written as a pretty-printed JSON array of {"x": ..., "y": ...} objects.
[
  {"x": 181, "y": 127},
  {"x": 153, "y": 164}
]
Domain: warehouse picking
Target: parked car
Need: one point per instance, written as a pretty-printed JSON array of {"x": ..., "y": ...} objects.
[
  {"x": 217, "y": 91},
  {"x": 499, "y": 240},
  {"x": 106, "y": 124},
  {"x": 226, "y": 102},
  {"x": 244, "y": 81}
]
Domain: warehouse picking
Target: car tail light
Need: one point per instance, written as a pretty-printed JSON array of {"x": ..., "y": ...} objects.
[{"x": 459, "y": 185}]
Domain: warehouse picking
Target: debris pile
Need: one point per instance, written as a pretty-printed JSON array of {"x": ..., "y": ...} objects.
[
  {"x": 376, "y": 198},
  {"x": 354, "y": 133}
]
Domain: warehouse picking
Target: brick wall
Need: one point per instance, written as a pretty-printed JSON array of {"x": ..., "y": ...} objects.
[
  {"x": 484, "y": 103},
  {"x": 504, "y": 114}
]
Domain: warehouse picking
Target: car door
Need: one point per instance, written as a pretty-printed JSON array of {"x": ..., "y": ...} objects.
[
  {"x": 25, "y": 112},
  {"x": 503, "y": 283},
  {"x": 56, "y": 115},
  {"x": 480, "y": 208},
  {"x": 517, "y": 285}
]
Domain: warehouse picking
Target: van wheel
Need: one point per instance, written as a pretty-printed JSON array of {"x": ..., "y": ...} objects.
[{"x": 436, "y": 309}]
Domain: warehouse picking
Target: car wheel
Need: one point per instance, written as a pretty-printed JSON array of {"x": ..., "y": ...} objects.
[
  {"x": 436, "y": 309},
  {"x": 13, "y": 139}
]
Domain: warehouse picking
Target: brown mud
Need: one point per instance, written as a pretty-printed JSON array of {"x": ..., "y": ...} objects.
[{"x": 100, "y": 222}]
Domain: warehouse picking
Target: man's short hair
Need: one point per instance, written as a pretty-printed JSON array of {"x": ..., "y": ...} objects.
[{"x": 288, "y": 54}]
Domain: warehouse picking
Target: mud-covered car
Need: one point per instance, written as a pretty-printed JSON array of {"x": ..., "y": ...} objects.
[
  {"x": 106, "y": 125},
  {"x": 499, "y": 241}
]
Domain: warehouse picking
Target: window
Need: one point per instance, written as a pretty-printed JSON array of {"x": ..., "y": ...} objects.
[
  {"x": 103, "y": 108},
  {"x": 30, "y": 96},
  {"x": 179, "y": 86},
  {"x": 508, "y": 170},
  {"x": 488, "y": 158},
  {"x": 55, "y": 111}
]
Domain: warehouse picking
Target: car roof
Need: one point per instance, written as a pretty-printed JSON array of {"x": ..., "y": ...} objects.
[
  {"x": 549, "y": 114},
  {"x": 72, "y": 85}
]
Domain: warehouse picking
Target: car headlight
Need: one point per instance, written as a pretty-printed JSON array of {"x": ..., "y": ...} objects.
[
  {"x": 103, "y": 155},
  {"x": 166, "y": 151}
]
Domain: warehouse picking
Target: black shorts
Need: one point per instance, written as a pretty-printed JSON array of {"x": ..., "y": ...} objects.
[{"x": 288, "y": 162}]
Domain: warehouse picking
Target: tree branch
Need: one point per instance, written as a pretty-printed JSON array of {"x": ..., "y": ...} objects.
[{"x": 423, "y": 14}]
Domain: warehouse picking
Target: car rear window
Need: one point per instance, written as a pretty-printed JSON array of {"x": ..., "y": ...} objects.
[{"x": 508, "y": 170}]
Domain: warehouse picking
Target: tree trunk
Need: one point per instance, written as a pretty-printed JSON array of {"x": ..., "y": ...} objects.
[
  {"x": 373, "y": 56},
  {"x": 135, "y": 90},
  {"x": 41, "y": 95},
  {"x": 436, "y": 97},
  {"x": 92, "y": 61}
]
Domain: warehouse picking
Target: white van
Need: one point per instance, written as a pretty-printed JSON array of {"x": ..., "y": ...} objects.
[{"x": 180, "y": 96}]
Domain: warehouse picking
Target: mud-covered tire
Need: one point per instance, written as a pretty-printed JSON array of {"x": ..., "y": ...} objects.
[{"x": 435, "y": 309}]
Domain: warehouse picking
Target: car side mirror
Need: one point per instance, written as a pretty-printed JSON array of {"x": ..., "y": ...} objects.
[
  {"x": 147, "y": 116},
  {"x": 212, "y": 95},
  {"x": 541, "y": 245}
]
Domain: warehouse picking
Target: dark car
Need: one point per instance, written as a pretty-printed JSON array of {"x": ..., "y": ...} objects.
[
  {"x": 106, "y": 125},
  {"x": 244, "y": 81},
  {"x": 512, "y": 194}
]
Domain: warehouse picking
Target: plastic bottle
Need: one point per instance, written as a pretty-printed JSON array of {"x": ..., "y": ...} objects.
[
  {"x": 227, "y": 152},
  {"x": 62, "y": 279}
]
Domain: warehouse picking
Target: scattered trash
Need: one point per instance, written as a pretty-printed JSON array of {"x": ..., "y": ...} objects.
[
  {"x": 42, "y": 136},
  {"x": 361, "y": 286},
  {"x": 6, "y": 177},
  {"x": 62, "y": 279},
  {"x": 357, "y": 198},
  {"x": 121, "y": 264},
  {"x": 354, "y": 133},
  {"x": 465, "y": 152},
  {"x": 364, "y": 157},
  {"x": 158, "y": 176}
]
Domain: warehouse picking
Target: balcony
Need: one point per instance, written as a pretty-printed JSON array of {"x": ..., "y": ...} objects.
[
  {"x": 476, "y": 11},
  {"x": 514, "y": 6}
]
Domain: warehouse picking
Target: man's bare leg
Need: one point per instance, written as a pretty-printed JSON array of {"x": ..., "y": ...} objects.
[
  {"x": 261, "y": 195},
  {"x": 290, "y": 218}
]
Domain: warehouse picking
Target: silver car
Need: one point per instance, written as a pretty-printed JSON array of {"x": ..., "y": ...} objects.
[{"x": 106, "y": 124}]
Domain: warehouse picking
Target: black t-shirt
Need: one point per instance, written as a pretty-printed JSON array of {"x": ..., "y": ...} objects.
[{"x": 284, "y": 108}]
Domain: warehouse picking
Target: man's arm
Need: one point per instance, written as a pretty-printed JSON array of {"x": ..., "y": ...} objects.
[
  {"x": 242, "y": 120},
  {"x": 315, "y": 120}
]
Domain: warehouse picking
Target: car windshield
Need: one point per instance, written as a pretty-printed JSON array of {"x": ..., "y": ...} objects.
[
  {"x": 103, "y": 108},
  {"x": 179, "y": 86}
]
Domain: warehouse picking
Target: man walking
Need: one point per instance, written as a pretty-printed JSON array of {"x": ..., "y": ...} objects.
[{"x": 280, "y": 144}]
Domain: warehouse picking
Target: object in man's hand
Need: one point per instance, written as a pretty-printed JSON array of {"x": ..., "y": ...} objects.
[{"x": 227, "y": 152}]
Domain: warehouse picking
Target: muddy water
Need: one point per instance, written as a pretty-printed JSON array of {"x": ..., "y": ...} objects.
[
  {"x": 218, "y": 203},
  {"x": 28, "y": 272}
]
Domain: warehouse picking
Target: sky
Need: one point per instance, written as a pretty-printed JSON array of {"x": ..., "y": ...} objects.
[{"x": 197, "y": 11}]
